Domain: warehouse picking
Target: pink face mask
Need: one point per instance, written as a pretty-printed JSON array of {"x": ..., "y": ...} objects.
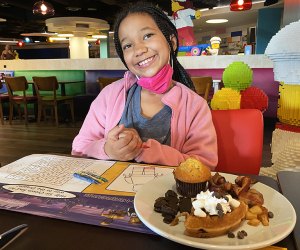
[{"x": 159, "y": 83}]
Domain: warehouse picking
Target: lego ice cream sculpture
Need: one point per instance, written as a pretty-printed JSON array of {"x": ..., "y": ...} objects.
[
  {"x": 237, "y": 92},
  {"x": 286, "y": 137},
  {"x": 215, "y": 45}
]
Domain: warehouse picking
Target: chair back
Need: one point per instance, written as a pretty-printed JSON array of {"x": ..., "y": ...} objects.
[
  {"x": 45, "y": 83},
  {"x": 240, "y": 140},
  {"x": 202, "y": 85},
  {"x": 17, "y": 83},
  {"x": 104, "y": 81}
]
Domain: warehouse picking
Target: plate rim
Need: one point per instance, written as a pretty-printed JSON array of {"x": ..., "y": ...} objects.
[{"x": 179, "y": 240}]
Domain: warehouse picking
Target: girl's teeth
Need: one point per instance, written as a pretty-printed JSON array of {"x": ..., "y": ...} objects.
[{"x": 145, "y": 62}]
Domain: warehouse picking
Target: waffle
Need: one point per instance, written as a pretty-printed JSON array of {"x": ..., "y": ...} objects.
[{"x": 212, "y": 226}]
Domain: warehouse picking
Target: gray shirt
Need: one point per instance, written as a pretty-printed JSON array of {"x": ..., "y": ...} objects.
[{"x": 158, "y": 127}]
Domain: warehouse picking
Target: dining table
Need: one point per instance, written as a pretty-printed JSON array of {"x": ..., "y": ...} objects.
[{"x": 50, "y": 233}]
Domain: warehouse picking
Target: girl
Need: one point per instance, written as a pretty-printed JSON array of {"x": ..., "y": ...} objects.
[{"x": 151, "y": 115}]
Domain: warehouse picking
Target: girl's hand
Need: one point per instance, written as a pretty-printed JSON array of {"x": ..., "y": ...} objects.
[{"x": 122, "y": 143}]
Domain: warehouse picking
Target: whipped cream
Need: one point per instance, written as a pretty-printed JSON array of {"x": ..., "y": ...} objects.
[{"x": 205, "y": 203}]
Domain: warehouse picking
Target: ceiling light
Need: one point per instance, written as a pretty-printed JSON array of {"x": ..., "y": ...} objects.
[
  {"x": 240, "y": 5},
  {"x": 99, "y": 36},
  {"x": 217, "y": 21},
  {"x": 8, "y": 41},
  {"x": 43, "y": 8},
  {"x": 65, "y": 35},
  {"x": 70, "y": 8},
  {"x": 2, "y": 20},
  {"x": 39, "y": 34},
  {"x": 51, "y": 39},
  {"x": 220, "y": 7}
]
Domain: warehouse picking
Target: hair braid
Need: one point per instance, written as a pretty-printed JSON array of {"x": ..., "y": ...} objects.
[{"x": 168, "y": 30}]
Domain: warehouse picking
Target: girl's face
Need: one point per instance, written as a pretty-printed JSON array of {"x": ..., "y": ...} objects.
[{"x": 144, "y": 46}]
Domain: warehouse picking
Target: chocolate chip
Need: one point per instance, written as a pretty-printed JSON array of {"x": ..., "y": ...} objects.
[
  {"x": 166, "y": 209},
  {"x": 270, "y": 215},
  {"x": 172, "y": 199},
  {"x": 220, "y": 210},
  {"x": 157, "y": 209},
  {"x": 230, "y": 234},
  {"x": 240, "y": 235},
  {"x": 216, "y": 194},
  {"x": 185, "y": 205},
  {"x": 244, "y": 232},
  {"x": 158, "y": 204},
  {"x": 168, "y": 219},
  {"x": 170, "y": 193}
]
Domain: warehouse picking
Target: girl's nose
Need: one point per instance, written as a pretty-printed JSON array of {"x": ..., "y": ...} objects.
[{"x": 140, "y": 49}]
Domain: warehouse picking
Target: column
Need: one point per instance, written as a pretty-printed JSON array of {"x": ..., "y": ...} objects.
[{"x": 79, "y": 47}]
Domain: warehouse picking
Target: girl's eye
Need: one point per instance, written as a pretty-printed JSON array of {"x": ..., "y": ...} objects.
[
  {"x": 147, "y": 36},
  {"x": 126, "y": 46}
]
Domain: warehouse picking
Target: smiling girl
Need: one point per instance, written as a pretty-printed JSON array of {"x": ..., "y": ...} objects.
[{"x": 152, "y": 115}]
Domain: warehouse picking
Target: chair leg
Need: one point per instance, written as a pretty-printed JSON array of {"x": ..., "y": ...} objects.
[
  {"x": 72, "y": 111},
  {"x": 56, "y": 115},
  {"x": 11, "y": 111},
  {"x": 26, "y": 113},
  {"x": 40, "y": 107},
  {"x": 44, "y": 113},
  {"x": 19, "y": 112},
  {"x": 39, "y": 113},
  {"x": 1, "y": 114}
]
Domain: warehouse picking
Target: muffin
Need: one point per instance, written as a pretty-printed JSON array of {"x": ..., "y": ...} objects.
[{"x": 191, "y": 177}]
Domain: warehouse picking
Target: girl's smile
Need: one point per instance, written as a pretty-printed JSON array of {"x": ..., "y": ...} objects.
[{"x": 146, "y": 63}]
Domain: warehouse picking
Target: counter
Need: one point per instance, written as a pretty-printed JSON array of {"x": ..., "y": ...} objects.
[
  {"x": 188, "y": 62},
  {"x": 89, "y": 70}
]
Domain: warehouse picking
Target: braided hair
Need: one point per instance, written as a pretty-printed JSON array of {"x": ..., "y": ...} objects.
[{"x": 167, "y": 28}]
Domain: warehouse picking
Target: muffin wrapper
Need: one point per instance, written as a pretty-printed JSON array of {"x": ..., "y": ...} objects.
[{"x": 190, "y": 189}]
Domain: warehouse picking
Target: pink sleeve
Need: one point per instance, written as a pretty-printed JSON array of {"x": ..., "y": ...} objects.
[{"x": 90, "y": 140}]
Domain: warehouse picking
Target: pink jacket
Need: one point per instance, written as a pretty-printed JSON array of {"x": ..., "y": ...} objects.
[{"x": 192, "y": 130}]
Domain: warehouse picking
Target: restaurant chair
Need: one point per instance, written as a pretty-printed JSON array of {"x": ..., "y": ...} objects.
[
  {"x": 46, "y": 91},
  {"x": 104, "y": 81},
  {"x": 17, "y": 88},
  {"x": 4, "y": 98},
  {"x": 202, "y": 85},
  {"x": 240, "y": 140}
]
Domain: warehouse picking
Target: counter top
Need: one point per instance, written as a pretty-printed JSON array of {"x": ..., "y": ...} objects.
[{"x": 188, "y": 62}]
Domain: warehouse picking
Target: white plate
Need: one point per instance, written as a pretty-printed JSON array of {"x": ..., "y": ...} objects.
[{"x": 280, "y": 226}]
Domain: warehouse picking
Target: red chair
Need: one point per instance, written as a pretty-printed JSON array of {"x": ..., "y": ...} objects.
[{"x": 240, "y": 140}]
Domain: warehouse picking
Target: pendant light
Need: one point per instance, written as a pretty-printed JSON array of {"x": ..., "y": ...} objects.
[
  {"x": 240, "y": 5},
  {"x": 43, "y": 8}
]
